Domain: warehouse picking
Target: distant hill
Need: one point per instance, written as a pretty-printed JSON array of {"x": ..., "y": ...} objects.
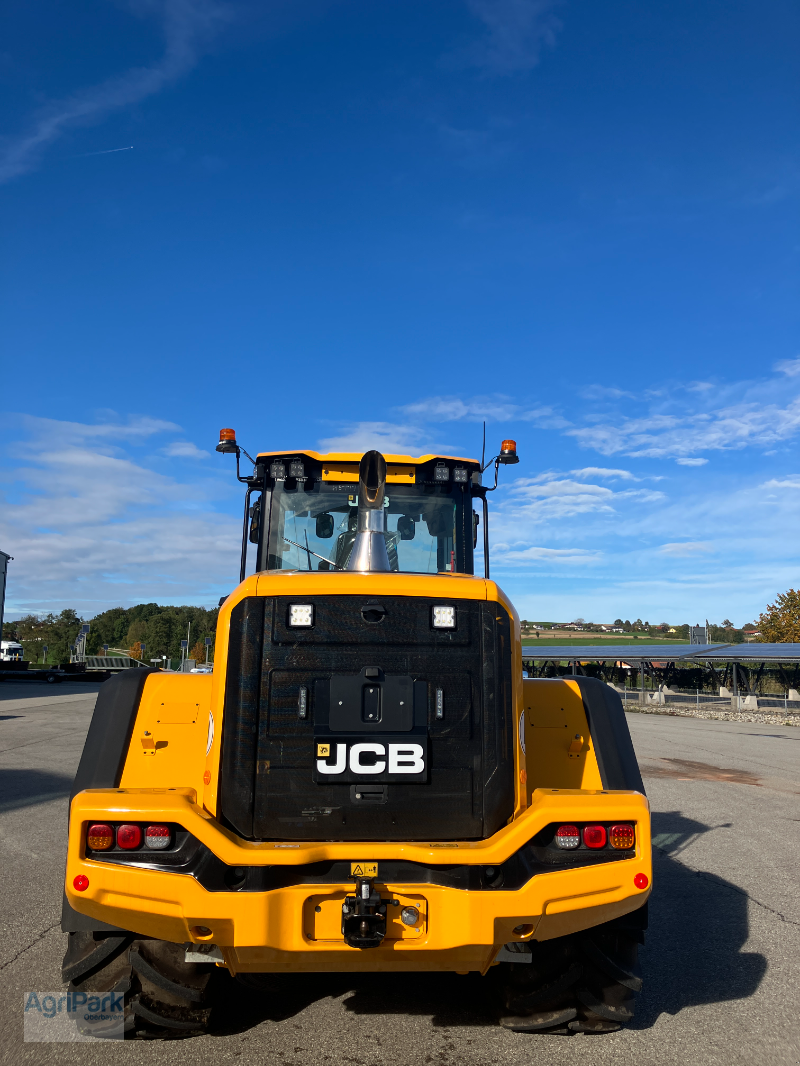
[{"x": 161, "y": 629}]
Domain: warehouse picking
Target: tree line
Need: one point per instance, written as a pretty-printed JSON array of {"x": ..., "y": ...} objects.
[{"x": 160, "y": 629}]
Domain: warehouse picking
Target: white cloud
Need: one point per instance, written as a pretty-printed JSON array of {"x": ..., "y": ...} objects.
[
  {"x": 679, "y": 436},
  {"x": 184, "y": 449},
  {"x": 789, "y": 367},
  {"x": 553, "y": 496},
  {"x": 187, "y": 26},
  {"x": 546, "y": 418},
  {"x": 691, "y": 462},
  {"x": 604, "y": 472},
  {"x": 516, "y": 32},
  {"x": 686, "y": 548},
  {"x": 89, "y": 526},
  {"x": 536, "y": 554},
  {"x": 604, "y": 392},
  {"x": 387, "y": 437},
  {"x": 105, "y": 434},
  {"x": 790, "y": 481},
  {"x": 453, "y": 409}
]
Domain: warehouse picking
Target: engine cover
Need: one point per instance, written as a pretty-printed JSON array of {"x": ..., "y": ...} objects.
[{"x": 369, "y": 725}]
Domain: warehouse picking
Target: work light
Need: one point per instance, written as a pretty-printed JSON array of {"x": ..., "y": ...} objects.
[
  {"x": 301, "y": 614},
  {"x": 444, "y": 617}
]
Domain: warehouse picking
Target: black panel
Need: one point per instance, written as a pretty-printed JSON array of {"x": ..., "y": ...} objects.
[
  {"x": 103, "y": 760},
  {"x": 106, "y": 744},
  {"x": 611, "y": 738},
  {"x": 536, "y": 857},
  {"x": 239, "y": 736},
  {"x": 384, "y": 703},
  {"x": 269, "y": 789}
]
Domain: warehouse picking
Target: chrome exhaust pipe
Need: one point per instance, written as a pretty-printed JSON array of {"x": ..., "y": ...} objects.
[{"x": 369, "y": 548}]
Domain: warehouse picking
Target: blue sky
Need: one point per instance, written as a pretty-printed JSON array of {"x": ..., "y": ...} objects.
[{"x": 377, "y": 224}]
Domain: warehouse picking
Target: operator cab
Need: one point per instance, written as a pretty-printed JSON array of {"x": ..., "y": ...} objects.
[{"x": 305, "y": 517}]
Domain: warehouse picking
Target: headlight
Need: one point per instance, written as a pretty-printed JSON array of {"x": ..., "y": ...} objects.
[
  {"x": 301, "y": 614},
  {"x": 444, "y": 617}
]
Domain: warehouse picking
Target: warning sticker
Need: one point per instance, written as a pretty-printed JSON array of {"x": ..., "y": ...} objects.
[
  {"x": 363, "y": 869},
  {"x": 323, "y": 751}
]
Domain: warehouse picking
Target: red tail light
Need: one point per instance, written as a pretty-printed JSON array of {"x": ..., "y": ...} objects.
[
  {"x": 157, "y": 836},
  {"x": 622, "y": 836},
  {"x": 568, "y": 836},
  {"x": 129, "y": 837},
  {"x": 100, "y": 837},
  {"x": 594, "y": 836}
]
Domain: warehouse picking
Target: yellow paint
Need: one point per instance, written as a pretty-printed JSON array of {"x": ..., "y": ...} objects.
[
  {"x": 554, "y": 718},
  {"x": 354, "y": 458},
  {"x": 322, "y": 916},
  {"x": 269, "y": 930},
  {"x": 396, "y": 473},
  {"x": 169, "y": 776},
  {"x": 363, "y": 869},
  {"x": 172, "y": 727}
]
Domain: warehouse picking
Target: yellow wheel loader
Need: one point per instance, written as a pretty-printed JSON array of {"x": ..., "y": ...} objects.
[{"x": 366, "y": 782}]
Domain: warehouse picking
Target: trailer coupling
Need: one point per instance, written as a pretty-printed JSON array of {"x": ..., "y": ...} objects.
[{"x": 364, "y": 915}]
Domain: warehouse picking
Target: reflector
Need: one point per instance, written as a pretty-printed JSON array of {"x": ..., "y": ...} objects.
[
  {"x": 567, "y": 836},
  {"x": 100, "y": 837},
  {"x": 157, "y": 836},
  {"x": 641, "y": 881},
  {"x": 621, "y": 836},
  {"x": 594, "y": 836},
  {"x": 129, "y": 837},
  {"x": 80, "y": 883}
]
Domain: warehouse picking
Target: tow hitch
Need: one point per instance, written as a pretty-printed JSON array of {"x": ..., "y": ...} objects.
[{"x": 364, "y": 916}]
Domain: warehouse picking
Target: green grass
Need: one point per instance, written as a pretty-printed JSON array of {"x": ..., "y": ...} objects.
[{"x": 548, "y": 642}]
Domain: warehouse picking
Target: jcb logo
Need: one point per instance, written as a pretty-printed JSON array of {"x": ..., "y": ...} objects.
[{"x": 386, "y": 759}]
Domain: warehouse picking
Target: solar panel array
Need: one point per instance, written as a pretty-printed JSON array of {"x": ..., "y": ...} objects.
[{"x": 649, "y": 653}]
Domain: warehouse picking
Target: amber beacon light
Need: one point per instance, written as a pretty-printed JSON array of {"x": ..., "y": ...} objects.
[
  {"x": 227, "y": 441},
  {"x": 508, "y": 452}
]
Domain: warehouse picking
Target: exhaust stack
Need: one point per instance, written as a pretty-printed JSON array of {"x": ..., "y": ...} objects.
[{"x": 369, "y": 549}]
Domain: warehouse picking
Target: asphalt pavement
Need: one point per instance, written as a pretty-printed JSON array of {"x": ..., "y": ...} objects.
[{"x": 722, "y": 984}]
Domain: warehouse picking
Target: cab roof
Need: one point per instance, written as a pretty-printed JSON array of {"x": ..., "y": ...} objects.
[{"x": 355, "y": 457}]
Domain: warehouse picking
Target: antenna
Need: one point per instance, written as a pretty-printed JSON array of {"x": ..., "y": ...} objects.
[{"x": 483, "y": 446}]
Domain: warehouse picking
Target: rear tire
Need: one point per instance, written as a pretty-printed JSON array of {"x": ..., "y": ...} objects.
[
  {"x": 164, "y": 996},
  {"x": 583, "y": 983}
]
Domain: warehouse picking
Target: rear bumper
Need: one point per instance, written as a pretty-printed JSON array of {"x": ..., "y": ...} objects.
[{"x": 293, "y": 928}]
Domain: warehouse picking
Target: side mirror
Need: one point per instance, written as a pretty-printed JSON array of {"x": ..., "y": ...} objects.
[
  {"x": 255, "y": 521},
  {"x": 324, "y": 526},
  {"x": 406, "y": 527}
]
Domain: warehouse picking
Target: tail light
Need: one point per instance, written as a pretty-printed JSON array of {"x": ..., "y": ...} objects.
[
  {"x": 100, "y": 837},
  {"x": 157, "y": 836},
  {"x": 594, "y": 836},
  {"x": 129, "y": 837},
  {"x": 567, "y": 836},
  {"x": 622, "y": 836}
]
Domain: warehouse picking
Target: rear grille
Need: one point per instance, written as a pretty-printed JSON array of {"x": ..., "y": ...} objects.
[{"x": 267, "y": 786}]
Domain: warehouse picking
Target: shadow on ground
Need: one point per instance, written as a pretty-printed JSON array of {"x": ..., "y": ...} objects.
[
  {"x": 26, "y": 788},
  {"x": 693, "y": 956},
  {"x": 698, "y": 927}
]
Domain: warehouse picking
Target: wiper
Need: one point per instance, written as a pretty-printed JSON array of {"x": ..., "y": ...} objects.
[{"x": 305, "y": 548}]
